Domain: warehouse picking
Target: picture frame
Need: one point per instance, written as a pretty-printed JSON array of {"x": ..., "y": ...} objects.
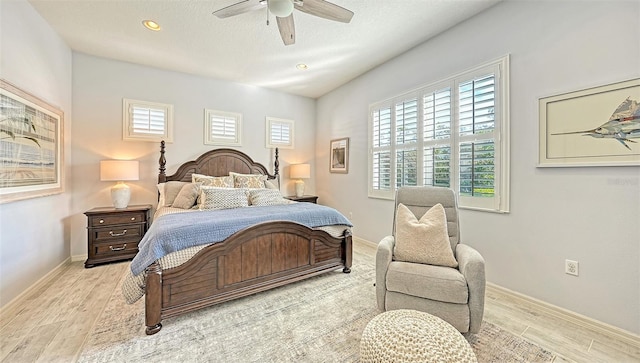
[
  {"x": 598, "y": 126},
  {"x": 31, "y": 145},
  {"x": 339, "y": 156}
]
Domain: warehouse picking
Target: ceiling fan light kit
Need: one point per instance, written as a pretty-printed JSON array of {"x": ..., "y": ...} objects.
[
  {"x": 280, "y": 8},
  {"x": 283, "y": 10}
]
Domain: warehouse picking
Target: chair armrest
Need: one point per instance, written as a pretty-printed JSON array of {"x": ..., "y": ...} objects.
[
  {"x": 384, "y": 255},
  {"x": 471, "y": 265}
]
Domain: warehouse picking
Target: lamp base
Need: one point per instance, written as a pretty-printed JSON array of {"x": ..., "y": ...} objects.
[
  {"x": 120, "y": 195},
  {"x": 299, "y": 188}
]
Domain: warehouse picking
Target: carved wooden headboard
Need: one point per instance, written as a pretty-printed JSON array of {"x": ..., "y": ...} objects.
[{"x": 218, "y": 162}]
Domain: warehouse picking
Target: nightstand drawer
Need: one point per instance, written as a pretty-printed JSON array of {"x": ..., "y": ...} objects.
[
  {"x": 122, "y": 218},
  {"x": 117, "y": 248},
  {"x": 113, "y": 234},
  {"x": 120, "y": 233}
]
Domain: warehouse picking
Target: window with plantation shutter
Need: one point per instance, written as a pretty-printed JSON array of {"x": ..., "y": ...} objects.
[
  {"x": 222, "y": 128},
  {"x": 147, "y": 121},
  {"x": 380, "y": 173},
  {"x": 453, "y": 133},
  {"x": 280, "y": 133}
]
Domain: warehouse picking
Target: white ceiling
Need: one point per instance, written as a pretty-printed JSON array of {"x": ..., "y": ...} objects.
[{"x": 243, "y": 48}]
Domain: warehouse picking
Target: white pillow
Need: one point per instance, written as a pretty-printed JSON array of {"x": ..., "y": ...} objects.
[
  {"x": 168, "y": 192},
  {"x": 248, "y": 180},
  {"x": 222, "y": 198},
  {"x": 425, "y": 240},
  {"x": 213, "y": 181},
  {"x": 262, "y": 197},
  {"x": 271, "y": 184}
]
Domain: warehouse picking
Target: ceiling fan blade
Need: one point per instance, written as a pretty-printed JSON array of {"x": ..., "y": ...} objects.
[
  {"x": 326, "y": 10},
  {"x": 242, "y": 7},
  {"x": 287, "y": 30}
]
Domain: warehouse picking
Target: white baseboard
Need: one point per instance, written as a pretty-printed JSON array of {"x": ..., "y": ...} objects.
[
  {"x": 364, "y": 241},
  {"x": 15, "y": 302},
  {"x": 77, "y": 258},
  {"x": 568, "y": 315}
]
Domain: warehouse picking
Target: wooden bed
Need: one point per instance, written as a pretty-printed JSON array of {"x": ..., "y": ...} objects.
[{"x": 256, "y": 259}]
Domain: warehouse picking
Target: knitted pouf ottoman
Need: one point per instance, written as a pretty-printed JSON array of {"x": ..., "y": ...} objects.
[{"x": 412, "y": 336}]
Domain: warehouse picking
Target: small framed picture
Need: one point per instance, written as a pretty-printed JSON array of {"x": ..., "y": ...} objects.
[{"x": 339, "y": 156}]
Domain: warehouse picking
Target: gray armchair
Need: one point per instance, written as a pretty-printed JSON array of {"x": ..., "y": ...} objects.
[{"x": 455, "y": 295}]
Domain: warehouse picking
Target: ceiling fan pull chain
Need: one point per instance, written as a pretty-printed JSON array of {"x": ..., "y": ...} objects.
[{"x": 267, "y": 8}]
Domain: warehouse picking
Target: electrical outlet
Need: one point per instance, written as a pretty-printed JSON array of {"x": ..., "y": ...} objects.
[
  {"x": 350, "y": 216},
  {"x": 571, "y": 267}
]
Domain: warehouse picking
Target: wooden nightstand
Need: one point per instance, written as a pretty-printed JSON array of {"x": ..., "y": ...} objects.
[
  {"x": 113, "y": 234},
  {"x": 304, "y": 198}
]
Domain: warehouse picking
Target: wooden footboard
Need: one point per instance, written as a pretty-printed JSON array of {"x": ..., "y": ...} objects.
[{"x": 256, "y": 259}]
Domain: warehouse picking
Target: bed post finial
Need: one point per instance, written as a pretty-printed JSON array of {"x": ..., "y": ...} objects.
[
  {"x": 163, "y": 162},
  {"x": 276, "y": 164}
]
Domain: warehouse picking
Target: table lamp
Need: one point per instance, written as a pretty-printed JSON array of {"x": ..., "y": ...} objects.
[
  {"x": 120, "y": 171},
  {"x": 300, "y": 171}
]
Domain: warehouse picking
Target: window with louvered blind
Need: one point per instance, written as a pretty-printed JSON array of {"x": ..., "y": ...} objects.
[
  {"x": 279, "y": 133},
  {"x": 453, "y": 133},
  {"x": 146, "y": 121},
  {"x": 222, "y": 128}
]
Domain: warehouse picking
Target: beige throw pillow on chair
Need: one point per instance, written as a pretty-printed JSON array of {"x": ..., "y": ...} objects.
[{"x": 425, "y": 240}]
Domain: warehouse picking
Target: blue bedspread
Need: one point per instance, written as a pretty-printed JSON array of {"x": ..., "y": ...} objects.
[{"x": 173, "y": 232}]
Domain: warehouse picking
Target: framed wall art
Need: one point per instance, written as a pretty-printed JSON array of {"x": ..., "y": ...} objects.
[
  {"x": 31, "y": 146},
  {"x": 339, "y": 156},
  {"x": 593, "y": 127}
]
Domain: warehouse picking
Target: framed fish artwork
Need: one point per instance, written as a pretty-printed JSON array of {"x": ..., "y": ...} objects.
[{"x": 592, "y": 127}]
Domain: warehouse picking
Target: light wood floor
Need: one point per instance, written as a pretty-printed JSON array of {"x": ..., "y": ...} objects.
[{"x": 53, "y": 322}]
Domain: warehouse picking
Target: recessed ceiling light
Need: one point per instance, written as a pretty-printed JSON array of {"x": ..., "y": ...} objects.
[
  {"x": 302, "y": 66},
  {"x": 151, "y": 25}
]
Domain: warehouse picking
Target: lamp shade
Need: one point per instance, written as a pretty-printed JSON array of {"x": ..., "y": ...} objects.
[
  {"x": 119, "y": 170},
  {"x": 280, "y": 8},
  {"x": 300, "y": 171}
]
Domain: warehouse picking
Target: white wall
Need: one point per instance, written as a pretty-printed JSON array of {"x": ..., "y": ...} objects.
[
  {"x": 99, "y": 85},
  {"x": 34, "y": 233},
  {"x": 591, "y": 214}
]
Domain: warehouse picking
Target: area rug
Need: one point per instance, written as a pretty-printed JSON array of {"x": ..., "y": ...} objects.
[{"x": 317, "y": 320}]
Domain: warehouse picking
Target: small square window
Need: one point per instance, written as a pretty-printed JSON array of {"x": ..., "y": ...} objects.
[
  {"x": 222, "y": 128},
  {"x": 146, "y": 121},
  {"x": 279, "y": 133}
]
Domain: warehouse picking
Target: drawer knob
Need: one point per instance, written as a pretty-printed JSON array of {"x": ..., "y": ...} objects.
[
  {"x": 133, "y": 218},
  {"x": 102, "y": 221},
  {"x": 118, "y": 248},
  {"x": 118, "y": 234}
]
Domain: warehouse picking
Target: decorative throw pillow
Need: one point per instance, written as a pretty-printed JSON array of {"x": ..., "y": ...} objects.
[
  {"x": 262, "y": 197},
  {"x": 271, "y": 184},
  {"x": 248, "y": 180},
  {"x": 168, "y": 192},
  {"x": 425, "y": 240},
  {"x": 222, "y": 198},
  {"x": 187, "y": 196},
  {"x": 213, "y": 181}
]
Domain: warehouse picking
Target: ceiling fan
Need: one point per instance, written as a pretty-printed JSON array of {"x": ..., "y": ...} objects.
[{"x": 283, "y": 11}]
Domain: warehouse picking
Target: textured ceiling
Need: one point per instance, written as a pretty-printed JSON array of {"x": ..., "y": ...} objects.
[{"x": 243, "y": 48}]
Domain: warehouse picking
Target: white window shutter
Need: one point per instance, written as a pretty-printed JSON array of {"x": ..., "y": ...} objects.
[
  {"x": 222, "y": 128},
  {"x": 280, "y": 133},
  {"x": 453, "y": 133},
  {"x": 147, "y": 121}
]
